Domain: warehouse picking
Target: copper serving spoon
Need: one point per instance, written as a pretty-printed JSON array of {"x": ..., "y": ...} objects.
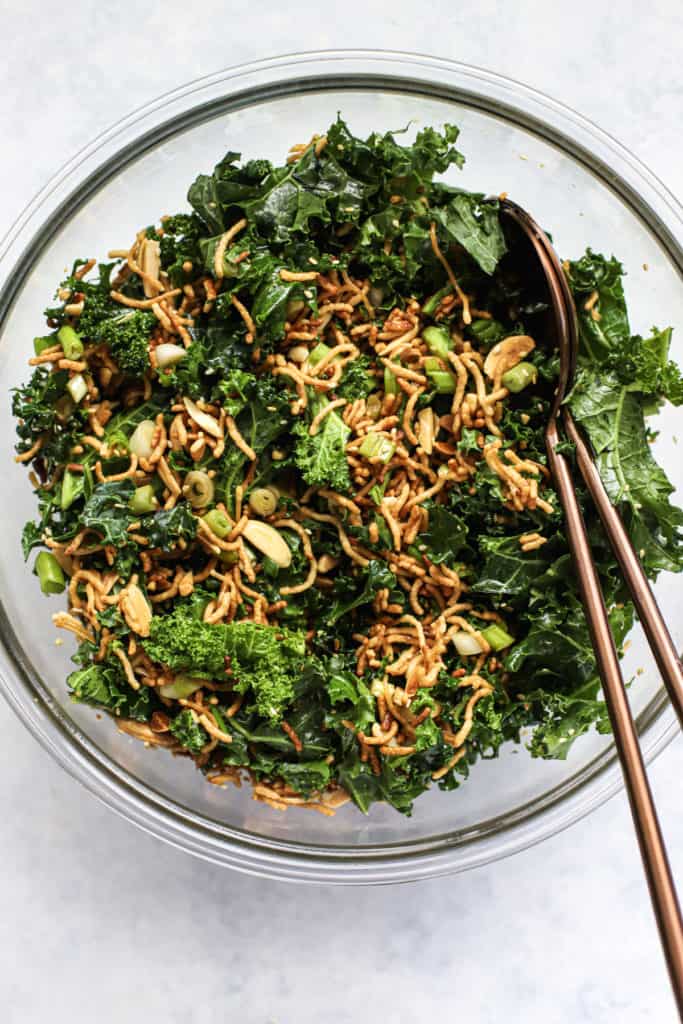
[{"x": 563, "y": 325}]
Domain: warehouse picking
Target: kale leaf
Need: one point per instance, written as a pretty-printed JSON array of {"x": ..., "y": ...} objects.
[
  {"x": 264, "y": 659},
  {"x": 612, "y": 416},
  {"x": 321, "y": 459},
  {"x": 106, "y": 686},
  {"x": 164, "y": 529},
  {"x": 188, "y": 732}
]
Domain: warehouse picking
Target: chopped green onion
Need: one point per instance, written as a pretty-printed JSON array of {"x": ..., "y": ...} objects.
[
  {"x": 496, "y": 637},
  {"x": 443, "y": 381},
  {"x": 40, "y": 344},
  {"x": 318, "y": 353},
  {"x": 70, "y": 341},
  {"x": 263, "y": 501},
  {"x": 49, "y": 572},
  {"x": 143, "y": 500},
  {"x": 77, "y": 388},
  {"x": 229, "y": 557},
  {"x": 72, "y": 486},
  {"x": 519, "y": 377},
  {"x": 181, "y": 687},
  {"x": 432, "y": 303},
  {"x": 375, "y": 446},
  {"x": 373, "y": 405},
  {"x": 198, "y": 488},
  {"x": 220, "y": 721},
  {"x": 438, "y": 341},
  {"x": 390, "y": 382},
  {"x": 218, "y": 523}
]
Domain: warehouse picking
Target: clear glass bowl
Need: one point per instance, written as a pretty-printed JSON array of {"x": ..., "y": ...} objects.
[{"x": 578, "y": 182}]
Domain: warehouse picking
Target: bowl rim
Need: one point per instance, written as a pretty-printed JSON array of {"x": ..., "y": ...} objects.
[{"x": 88, "y": 170}]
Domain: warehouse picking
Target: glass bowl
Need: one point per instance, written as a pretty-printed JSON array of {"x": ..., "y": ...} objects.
[{"x": 579, "y": 183}]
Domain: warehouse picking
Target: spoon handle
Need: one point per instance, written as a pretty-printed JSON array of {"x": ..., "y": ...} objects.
[
  {"x": 652, "y": 848},
  {"x": 650, "y": 616}
]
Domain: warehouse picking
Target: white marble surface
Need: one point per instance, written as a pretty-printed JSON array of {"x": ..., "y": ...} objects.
[{"x": 98, "y": 920}]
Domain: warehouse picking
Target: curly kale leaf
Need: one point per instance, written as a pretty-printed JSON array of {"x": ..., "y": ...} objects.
[
  {"x": 43, "y": 412},
  {"x": 612, "y": 416},
  {"x": 357, "y": 380},
  {"x": 179, "y": 244},
  {"x": 107, "y": 511},
  {"x": 346, "y": 594},
  {"x": 475, "y": 225},
  {"x": 127, "y": 336},
  {"x": 604, "y": 329},
  {"x": 645, "y": 364},
  {"x": 384, "y": 166},
  {"x": 106, "y": 686},
  {"x": 563, "y": 717},
  {"x": 642, "y": 364},
  {"x": 266, "y": 660},
  {"x": 188, "y": 732},
  {"x": 164, "y": 529},
  {"x": 445, "y": 536},
  {"x": 321, "y": 458}
]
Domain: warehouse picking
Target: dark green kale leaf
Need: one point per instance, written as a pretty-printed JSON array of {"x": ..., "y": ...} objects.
[
  {"x": 357, "y": 379},
  {"x": 507, "y": 570},
  {"x": 358, "y": 780},
  {"x": 266, "y": 417},
  {"x": 305, "y": 777},
  {"x": 43, "y": 409},
  {"x": 557, "y": 653},
  {"x": 128, "y": 335},
  {"x": 388, "y": 168},
  {"x": 445, "y": 536},
  {"x": 165, "y": 528},
  {"x": 203, "y": 198},
  {"x": 217, "y": 350},
  {"x": 107, "y": 511},
  {"x": 106, "y": 686},
  {"x": 474, "y": 224},
  {"x": 605, "y": 332},
  {"x": 31, "y": 537},
  {"x": 644, "y": 363},
  {"x": 97, "y": 302},
  {"x": 179, "y": 244},
  {"x": 188, "y": 732},
  {"x": 345, "y": 595},
  {"x": 612, "y": 416},
  {"x": 563, "y": 717}
]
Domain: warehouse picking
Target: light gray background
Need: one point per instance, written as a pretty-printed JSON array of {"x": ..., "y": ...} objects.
[{"x": 100, "y": 922}]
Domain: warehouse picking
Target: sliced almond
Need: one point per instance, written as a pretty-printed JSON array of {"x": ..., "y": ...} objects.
[
  {"x": 135, "y": 609},
  {"x": 142, "y": 439},
  {"x": 298, "y": 354},
  {"x": 150, "y": 264},
  {"x": 177, "y": 433},
  {"x": 202, "y": 419},
  {"x": 327, "y": 562},
  {"x": 427, "y": 429},
  {"x": 269, "y": 541},
  {"x": 159, "y": 722},
  {"x": 507, "y": 353}
]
